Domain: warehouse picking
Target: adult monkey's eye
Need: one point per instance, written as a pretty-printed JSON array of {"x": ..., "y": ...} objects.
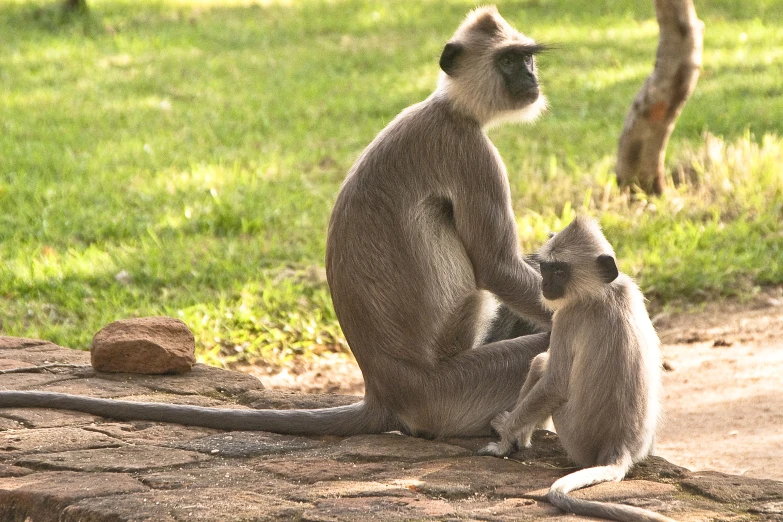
[
  {"x": 506, "y": 60},
  {"x": 528, "y": 60}
]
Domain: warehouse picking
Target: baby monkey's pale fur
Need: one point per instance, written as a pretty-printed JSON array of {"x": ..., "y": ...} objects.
[{"x": 600, "y": 380}]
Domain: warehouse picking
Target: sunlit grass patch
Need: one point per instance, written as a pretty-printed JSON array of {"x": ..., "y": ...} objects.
[
  {"x": 715, "y": 232},
  {"x": 275, "y": 319},
  {"x": 181, "y": 157}
]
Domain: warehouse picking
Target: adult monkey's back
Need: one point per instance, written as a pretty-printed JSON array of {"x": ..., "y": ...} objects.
[{"x": 422, "y": 232}]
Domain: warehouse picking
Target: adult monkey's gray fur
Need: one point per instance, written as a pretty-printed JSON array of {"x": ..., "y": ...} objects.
[
  {"x": 421, "y": 233},
  {"x": 600, "y": 380}
]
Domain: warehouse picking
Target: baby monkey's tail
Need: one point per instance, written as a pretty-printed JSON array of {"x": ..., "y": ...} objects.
[{"x": 558, "y": 495}]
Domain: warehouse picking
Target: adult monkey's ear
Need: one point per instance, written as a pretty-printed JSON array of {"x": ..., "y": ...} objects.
[
  {"x": 448, "y": 58},
  {"x": 607, "y": 268}
]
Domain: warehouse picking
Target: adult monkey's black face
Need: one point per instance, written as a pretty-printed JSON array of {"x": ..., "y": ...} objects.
[
  {"x": 555, "y": 276},
  {"x": 517, "y": 66}
]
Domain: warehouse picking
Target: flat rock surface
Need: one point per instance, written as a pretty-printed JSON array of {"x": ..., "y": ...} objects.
[{"x": 69, "y": 467}]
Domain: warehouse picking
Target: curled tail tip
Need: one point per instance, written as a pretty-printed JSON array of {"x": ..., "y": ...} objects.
[
  {"x": 590, "y": 476},
  {"x": 559, "y": 496},
  {"x": 605, "y": 510}
]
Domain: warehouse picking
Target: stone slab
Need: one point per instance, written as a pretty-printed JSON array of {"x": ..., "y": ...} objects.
[
  {"x": 217, "y": 473},
  {"x": 392, "y": 446},
  {"x": 9, "y": 470},
  {"x": 50, "y": 470},
  {"x": 201, "y": 380},
  {"x": 10, "y": 424},
  {"x": 208, "y": 504},
  {"x": 178, "y": 398},
  {"x": 40, "y": 352},
  {"x": 309, "y": 470},
  {"x": 33, "y": 381},
  {"x": 287, "y": 400},
  {"x": 151, "y": 433},
  {"x": 21, "y": 343},
  {"x": 41, "y": 497},
  {"x": 459, "y": 478},
  {"x": 43, "y": 418},
  {"x": 126, "y": 458},
  {"x": 731, "y": 488},
  {"x": 247, "y": 444},
  {"x": 15, "y": 443},
  {"x": 361, "y": 509},
  {"x": 10, "y": 364},
  {"x": 93, "y": 386}
]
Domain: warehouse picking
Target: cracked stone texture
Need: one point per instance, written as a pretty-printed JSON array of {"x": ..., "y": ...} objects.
[{"x": 73, "y": 467}]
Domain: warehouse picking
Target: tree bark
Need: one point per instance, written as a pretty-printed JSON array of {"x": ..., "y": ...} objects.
[{"x": 651, "y": 119}]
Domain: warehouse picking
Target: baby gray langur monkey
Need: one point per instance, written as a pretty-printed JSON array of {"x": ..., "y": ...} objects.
[
  {"x": 600, "y": 380},
  {"x": 422, "y": 244}
]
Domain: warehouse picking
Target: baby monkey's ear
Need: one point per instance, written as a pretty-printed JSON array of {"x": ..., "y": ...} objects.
[
  {"x": 607, "y": 268},
  {"x": 448, "y": 59}
]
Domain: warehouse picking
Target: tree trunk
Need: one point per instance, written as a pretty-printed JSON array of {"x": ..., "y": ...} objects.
[{"x": 651, "y": 119}]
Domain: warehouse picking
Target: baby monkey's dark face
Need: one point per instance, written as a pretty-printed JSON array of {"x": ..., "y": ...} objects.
[
  {"x": 555, "y": 277},
  {"x": 517, "y": 67}
]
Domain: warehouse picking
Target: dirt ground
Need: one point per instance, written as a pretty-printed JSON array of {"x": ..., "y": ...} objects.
[{"x": 723, "y": 404}]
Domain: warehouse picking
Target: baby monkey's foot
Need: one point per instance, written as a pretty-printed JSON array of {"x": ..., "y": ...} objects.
[
  {"x": 497, "y": 449},
  {"x": 506, "y": 445},
  {"x": 510, "y": 438}
]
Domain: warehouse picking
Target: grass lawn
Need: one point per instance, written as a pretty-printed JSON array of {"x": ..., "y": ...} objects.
[{"x": 181, "y": 157}]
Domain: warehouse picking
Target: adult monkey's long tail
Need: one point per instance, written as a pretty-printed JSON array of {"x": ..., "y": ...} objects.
[
  {"x": 558, "y": 495},
  {"x": 353, "y": 419}
]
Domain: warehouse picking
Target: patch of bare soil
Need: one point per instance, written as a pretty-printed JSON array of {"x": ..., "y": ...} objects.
[
  {"x": 723, "y": 398},
  {"x": 329, "y": 373},
  {"x": 723, "y": 391}
]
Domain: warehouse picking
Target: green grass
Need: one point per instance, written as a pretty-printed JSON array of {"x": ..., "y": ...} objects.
[{"x": 198, "y": 146}]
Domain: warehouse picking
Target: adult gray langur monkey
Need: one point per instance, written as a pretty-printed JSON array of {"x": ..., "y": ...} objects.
[
  {"x": 421, "y": 235},
  {"x": 600, "y": 380}
]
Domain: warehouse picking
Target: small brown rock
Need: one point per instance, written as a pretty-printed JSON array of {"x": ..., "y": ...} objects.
[{"x": 144, "y": 345}]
